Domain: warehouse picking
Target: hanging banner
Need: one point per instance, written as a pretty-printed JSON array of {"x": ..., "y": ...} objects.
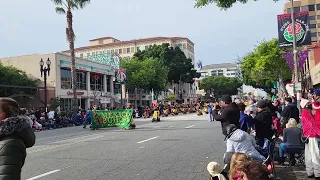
[
  {"x": 285, "y": 30},
  {"x": 114, "y": 118},
  {"x": 288, "y": 56},
  {"x": 120, "y": 75},
  {"x": 302, "y": 57}
]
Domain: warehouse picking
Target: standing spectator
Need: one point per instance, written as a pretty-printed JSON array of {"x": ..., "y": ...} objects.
[
  {"x": 311, "y": 134},
  {"x": 15, "y": 136},
  {"x": 290, "y": 111},
  {"x": 229, "y": 114},
  {"x": 245, "y": 120},
  {"x": 263, "y": 122},
  {"x": 210, "y": 106}
]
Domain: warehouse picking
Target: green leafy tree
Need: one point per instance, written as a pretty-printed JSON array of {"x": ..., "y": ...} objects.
[
  {"x": 221, "y": 85},
  {"x": 10, "y": 75},
  {"x": 66, "y": 7},
  {"x": 224, "y": 4},
  {"x": 171, "y": 97},
  {"x": 145, "y": 74},
  {"x": 265, "y": 65},
  {"x": 174, "y": 59}
]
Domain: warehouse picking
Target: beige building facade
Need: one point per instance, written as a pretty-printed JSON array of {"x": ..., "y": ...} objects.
[{"x": 94, "y": 80}]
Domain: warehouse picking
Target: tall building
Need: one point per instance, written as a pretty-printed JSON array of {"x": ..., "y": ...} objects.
[
  {"x": 108, "y": 50},
  {"x": 126, "y": 49},
  {"x": 313, "y": 6},
  {"x": 223, "y": 69}
]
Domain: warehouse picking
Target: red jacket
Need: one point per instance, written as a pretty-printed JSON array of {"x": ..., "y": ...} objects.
[
  {"x": 310, "y": 129},
  {"x": 316, "y": 107}
]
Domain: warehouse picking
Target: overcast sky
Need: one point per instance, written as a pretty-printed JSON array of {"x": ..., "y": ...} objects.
[{"x": 32, "y": 26}]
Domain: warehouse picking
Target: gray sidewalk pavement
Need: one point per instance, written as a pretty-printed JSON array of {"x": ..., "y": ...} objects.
[{"x": 291, "y": 173}]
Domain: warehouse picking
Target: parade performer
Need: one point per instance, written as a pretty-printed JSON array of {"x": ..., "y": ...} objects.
[
  {"x": 156, "y": 115},
  {"x": 205, "y": 108}
]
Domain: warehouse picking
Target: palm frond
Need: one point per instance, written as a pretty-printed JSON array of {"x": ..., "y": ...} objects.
[
  {"x": 72, "y": 4},
  {"x": 58, "y": 2},
  {"x": 60, "y": 10},
  {"x": 82, "y": 3}
]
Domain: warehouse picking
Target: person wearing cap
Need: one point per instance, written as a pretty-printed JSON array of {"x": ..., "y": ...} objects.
[
  {"x": 214, "y": 170},
  {"x": 289, "y": 111},
  {"x": 310, "y": 134},
  {"x": 229, "y": 114},
  {"x": 263, "y": 122}
]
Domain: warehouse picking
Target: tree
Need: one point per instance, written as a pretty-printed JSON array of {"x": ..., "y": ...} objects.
[
  {"x": 12, "y": 76},
  {"x": 145, "y": 74},
  {"x": 171, "y": 97},
  {"x": 221, "y": 85},
  {"x": 66, "y": 7},
  {"x": 265, "y": 65},
  {"x": 224, "y": 4},
  {"x": 174, "y": 59}
]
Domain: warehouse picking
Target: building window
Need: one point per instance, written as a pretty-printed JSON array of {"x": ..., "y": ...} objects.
[
  {"x": 289, "y": 10},
  {"x": 184, "y": 45},
  {"x": 128, "y": 50},
  {"x": 120, "y": 51},
  {"x": 124, "y": 50},
  {"x": 180, "y": 45},
  {"x": 101, "y": 41},
  {"x": 146, "y": 47},
  {"x": 318, "y": 6},
  {"x": 311, "y": 7},
  {"x": 138, "y": 48},
  {"x": 88, "y": 54},
  {"x": 304, "y": 8},
  {"x": 312, "y": 18},
  {"x": 108, "y": 51},
  {"x": 112, "y": 51},
  {"x": 313, "y": 34},
  {"x": 296, "y": 9},
  {"x": 312, "y": 26},
  {"x": 104, "y": 52},
  {"x": 66, "y": 79},
  {"x": 96, "y": 82},
  {"x": 81, "y": 55},
  {"x": 132, "y": 49},
  {"x": 93, "y": 53}
]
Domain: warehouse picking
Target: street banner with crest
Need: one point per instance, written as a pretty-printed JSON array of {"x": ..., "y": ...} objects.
[
  {"x": 285, "y": 30},
  {"x": 111, "y": 118}
]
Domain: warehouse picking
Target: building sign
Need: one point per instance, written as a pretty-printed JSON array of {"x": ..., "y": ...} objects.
[
  {"x": 285, "y": 29},
  {"x": 69, "y": 93},
  {"x": 105, "y": 100},
  {"x": 88, "y": 68}
]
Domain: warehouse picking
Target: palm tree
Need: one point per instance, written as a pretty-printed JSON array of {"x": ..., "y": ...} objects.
[{"x": 66, "y": 7}]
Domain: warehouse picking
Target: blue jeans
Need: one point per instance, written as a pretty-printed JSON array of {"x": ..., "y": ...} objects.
[
  {"x": 283, "y": 148},
  {"x": 211, "y": 116}
]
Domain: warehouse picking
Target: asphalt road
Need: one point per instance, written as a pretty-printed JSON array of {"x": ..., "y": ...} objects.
[{"x": 178, "y": 147}]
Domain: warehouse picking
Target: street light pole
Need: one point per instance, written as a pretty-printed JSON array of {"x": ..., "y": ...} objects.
[
  {"x": 295, "y": 59},
  {"x": 45, "y": 71}
]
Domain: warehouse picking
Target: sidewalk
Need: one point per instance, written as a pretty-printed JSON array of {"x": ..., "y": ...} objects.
[{"x": 292, "y": 173}]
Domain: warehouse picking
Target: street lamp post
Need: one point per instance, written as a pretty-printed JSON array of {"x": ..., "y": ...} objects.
[
  {"x": 295, "y": 60},
  {"x": 179, "y": 90},
  {"x": 45, "y": 71}
]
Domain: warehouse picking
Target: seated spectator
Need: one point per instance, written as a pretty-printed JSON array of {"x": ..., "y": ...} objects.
[
  {"x": 291, "y": 140},
  {"x": 214, "y": 170},
  {"x": 238, "y": 162},
  {"x": 256, "y": 171},
  {"x": 241, "y": 142}
]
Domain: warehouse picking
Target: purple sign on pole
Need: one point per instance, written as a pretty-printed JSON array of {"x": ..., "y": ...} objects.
[
  {"x": 302, "y": 55},
  {"x": 302, "y": 58},
  {"x": 288, "y": 56}
]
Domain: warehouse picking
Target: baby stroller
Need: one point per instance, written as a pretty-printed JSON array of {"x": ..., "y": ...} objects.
[{"x": 156, "y": 116}]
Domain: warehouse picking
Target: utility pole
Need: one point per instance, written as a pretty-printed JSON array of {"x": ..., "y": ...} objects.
[{"x": 295, "y": 59}]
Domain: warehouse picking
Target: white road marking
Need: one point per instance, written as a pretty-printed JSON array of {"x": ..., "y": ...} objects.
[
  {"x": 45, "y": 174},
  {"x": 82, "y": 138},
  {"x": 147, "y": 139},
  {"x": 190, "y": 126}
]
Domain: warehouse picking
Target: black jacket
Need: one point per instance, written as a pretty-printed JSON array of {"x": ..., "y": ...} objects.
[
  {"x": 290, "y": 111},
  {"x": 263, "y": 124},
  {"x": 15, "y": 136},
  {"x": 229, "y": 115}
]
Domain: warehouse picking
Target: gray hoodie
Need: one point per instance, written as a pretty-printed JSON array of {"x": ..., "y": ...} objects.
[{"x": 242, "y": 142}]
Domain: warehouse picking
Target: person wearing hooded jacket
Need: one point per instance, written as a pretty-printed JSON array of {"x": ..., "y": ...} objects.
[
  {"x": 239, "y": 141},
  {"x": 16, "y": 135},
  {"x": 229, "y": 114}
]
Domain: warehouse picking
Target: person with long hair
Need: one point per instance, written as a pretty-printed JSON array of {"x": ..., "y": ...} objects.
[
  {"x": 256, "y": 171},
  {"x": 16, "y": 135},
  {"x": 238, "y": 162}
]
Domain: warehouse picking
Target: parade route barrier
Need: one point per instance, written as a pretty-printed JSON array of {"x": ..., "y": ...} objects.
[{"x": 111, "y": 118}]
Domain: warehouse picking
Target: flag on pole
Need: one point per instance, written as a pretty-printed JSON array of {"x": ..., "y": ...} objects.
[{"x": 199, "y": 64}]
